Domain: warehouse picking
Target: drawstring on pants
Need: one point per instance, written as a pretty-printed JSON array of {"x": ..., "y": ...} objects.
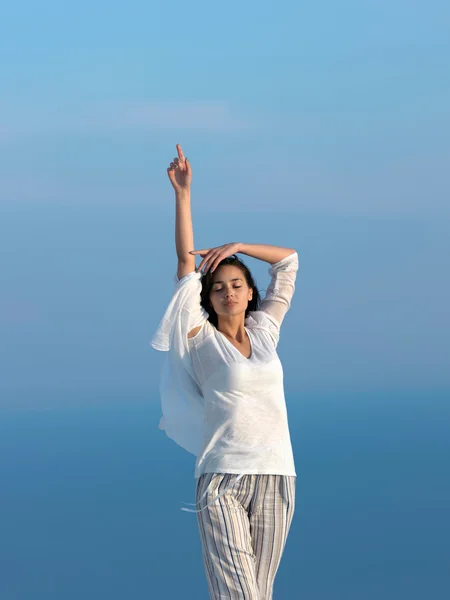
[{"x": 215, "y": 497}]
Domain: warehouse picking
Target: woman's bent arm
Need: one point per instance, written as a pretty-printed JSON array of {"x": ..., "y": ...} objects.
[{"x": 270, "y": 254}]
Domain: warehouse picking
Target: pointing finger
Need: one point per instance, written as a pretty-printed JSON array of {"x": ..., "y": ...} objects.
[{"x": 180, "y": 152}]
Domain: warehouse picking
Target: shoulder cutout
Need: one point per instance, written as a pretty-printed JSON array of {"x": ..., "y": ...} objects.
[{"x": 194, "y": 331}]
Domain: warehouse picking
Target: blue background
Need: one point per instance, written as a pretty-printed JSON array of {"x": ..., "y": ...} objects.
[{"x": 323, "y": 127}]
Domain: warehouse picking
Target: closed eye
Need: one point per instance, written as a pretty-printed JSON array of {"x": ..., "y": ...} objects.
[{"x": 220, "y": 289}]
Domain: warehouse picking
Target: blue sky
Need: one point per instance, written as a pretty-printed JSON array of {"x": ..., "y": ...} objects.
[
  {"x": 347, "y": 101},
  {"x": 323, "y": 127}
]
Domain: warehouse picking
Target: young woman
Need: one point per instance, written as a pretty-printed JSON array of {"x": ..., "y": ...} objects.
[{"x": 223, "y": 400}]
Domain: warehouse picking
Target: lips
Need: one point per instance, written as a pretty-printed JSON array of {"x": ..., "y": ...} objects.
[{"x": 230, "y": 303}]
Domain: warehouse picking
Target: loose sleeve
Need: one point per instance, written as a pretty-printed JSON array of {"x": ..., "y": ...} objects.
[
  {"x": 183, "y": 313},
  {"x": 277, "y": 300},
  {"x": 182, "y": 402}
]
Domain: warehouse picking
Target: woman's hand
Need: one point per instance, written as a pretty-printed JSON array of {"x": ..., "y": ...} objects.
[
  {"x": 213, "y": 256},
  {"x": 180, "y": 172}
]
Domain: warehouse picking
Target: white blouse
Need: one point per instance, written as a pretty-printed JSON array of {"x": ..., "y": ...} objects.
[{"x": 228, "y": 410}]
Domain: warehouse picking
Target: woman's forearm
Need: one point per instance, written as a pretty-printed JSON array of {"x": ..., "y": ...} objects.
[
  {"x": 184, "y": 233},
  {"x": 270, "y": 254}
]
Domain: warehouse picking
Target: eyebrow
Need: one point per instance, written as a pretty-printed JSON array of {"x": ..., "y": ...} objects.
[{"x": 235, "y": 279}]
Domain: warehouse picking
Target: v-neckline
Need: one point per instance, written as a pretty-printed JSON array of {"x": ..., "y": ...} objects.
[{"x": 233, "y": 346}]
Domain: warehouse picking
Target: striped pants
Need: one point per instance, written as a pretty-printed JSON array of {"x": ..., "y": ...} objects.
[{"x": 244, "y": 532}]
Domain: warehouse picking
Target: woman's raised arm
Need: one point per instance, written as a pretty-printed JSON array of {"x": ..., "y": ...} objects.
[
  {"x": 180, "y": 175},
  {"x": 213, "y": 256}
]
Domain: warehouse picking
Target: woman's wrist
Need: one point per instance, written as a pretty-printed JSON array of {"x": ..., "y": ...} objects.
[{"x": 183, "y": 193}]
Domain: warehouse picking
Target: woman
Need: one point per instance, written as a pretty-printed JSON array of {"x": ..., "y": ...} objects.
[{"x": 223, "y": 400}]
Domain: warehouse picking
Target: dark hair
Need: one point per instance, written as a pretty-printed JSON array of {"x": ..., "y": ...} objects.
[{"x": 207, "y": 283}]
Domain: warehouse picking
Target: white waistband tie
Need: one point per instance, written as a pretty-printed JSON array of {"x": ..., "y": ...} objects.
[{"x": 215, "y": 497}]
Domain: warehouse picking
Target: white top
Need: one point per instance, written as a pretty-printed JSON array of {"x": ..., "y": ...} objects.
[{"x": 228, "y": 410}]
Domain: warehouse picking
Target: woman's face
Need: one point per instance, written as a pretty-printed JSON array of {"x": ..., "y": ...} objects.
[{"x": 229, "y": 286}]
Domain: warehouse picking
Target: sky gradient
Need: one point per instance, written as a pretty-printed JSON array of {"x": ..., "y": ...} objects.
[{"x": 324, "y": 127}]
